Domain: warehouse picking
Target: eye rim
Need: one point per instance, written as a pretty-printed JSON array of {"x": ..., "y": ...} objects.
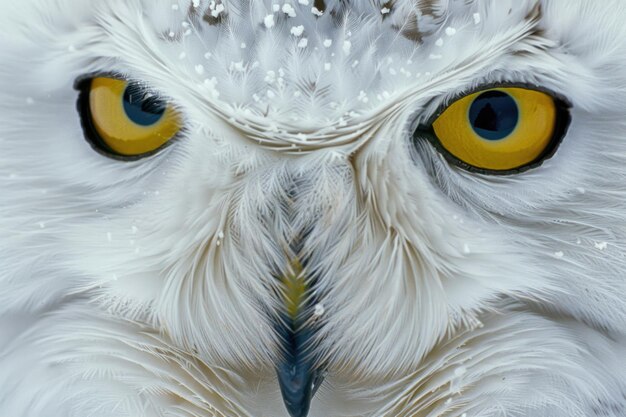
[
  {"x": 83, "y": 85},
  {"x": 563, "y": 108}
]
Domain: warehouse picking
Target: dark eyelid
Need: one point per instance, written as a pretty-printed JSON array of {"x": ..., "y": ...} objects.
[
  {"x": 559, "y": 98},
  {"x": 80, "y": 81}
]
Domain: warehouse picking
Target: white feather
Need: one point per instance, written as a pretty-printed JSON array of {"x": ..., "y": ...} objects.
[{"x": 142, "y": 288}]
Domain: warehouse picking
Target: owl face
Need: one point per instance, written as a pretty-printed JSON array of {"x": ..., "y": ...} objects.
[{"x": 308, "y": 191}]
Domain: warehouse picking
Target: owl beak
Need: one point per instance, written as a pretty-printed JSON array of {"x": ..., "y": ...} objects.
[
  {"x": 298, "y": 370},
  {"x": 298, "y": 376}
]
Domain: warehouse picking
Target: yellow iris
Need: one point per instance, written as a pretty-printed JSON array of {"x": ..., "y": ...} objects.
[
  {"x": 130, "y": 123},
  {"x": 499, "y": 129}
]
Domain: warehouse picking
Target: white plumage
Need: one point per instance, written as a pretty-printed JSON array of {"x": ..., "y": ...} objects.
[{"x": 147, "y": 288}]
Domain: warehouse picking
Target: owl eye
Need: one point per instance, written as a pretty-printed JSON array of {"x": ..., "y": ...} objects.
[
  {"x": 501, "y": 130},
  {"x": 124, "y": 119}
]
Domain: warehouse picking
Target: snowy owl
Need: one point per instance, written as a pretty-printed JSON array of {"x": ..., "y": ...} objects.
[{"x": 324, "y": 208}]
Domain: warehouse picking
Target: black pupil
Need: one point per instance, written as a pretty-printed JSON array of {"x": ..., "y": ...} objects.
[
  {"x": 141, "y": 107},
  {"x": 494, "y": 115}
]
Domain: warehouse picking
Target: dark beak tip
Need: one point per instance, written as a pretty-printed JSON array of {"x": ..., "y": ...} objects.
[
  {"x": 298, "y": 412},
  {"x": 298, "y": 402},
  {"x": 297, "y": 390}
]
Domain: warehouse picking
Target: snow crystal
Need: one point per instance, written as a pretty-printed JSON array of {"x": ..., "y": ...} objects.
[
  {"x": 171, "y": 34},
  {"x": 243, "y": 45},
  {"x": 328, "y": 43},
  {"x": 347, "y": 46},
  {"x": 319, "y": 310},
  {"x": 303, "y": 43},
  {"x": 385, "y": 10},
  {"x": 175, "y": 7},
  {"x": 317, "y": 12},
  {"x": 211, "y": 83},
  {"x": 559, "y": 255},
  {"x": 289, "y": 10},
  {"x": 327, "y": 66},
  {"x": 297, "y": 30},
  {"x": 435, "y": 56},
  {"x": 269, "y": 21},
  {"x": 476, "y": 18},
  {"x": 275, "y": 7},
  {"x": 304, "y": 2},
  {"x": 439, "y": 42},
  {"x": 216, "y": 9},
  {"x": 220, "y": 235},
  {"x": 208, "y": 55},
  {"x": 199, "y": 69},
  {"x": 270, "y": 77},
  {"x": 466, "y": 249},
  {"x": 450, "y": 31},
  {"x": 238, "y": 66},
  {"x": 601, "y": 245},
  {"x": 195, "y": 3},
  {"x": 270, "y": 94},
  {"x": 182, "y": 55}
]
